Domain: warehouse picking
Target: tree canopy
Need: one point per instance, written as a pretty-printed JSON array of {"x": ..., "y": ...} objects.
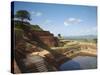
[
  {"x": 59, "y": 35},
  {"x": 23, "y": 15}
]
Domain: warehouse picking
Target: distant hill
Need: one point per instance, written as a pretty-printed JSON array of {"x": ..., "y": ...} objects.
[{"x": 81, "y": 37}]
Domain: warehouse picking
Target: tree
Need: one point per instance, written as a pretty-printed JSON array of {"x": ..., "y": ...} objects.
[
  {"x": 59, "y": 35},
  {"x": 22, "y": 15}
]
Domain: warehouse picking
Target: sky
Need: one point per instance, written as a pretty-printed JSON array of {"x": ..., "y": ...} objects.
[{"x": 64, "y": 19}]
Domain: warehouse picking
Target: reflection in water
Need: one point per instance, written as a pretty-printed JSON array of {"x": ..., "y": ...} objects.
[
  {"x": 71, "y": 65},
  {"x": 80, "y": 62}
]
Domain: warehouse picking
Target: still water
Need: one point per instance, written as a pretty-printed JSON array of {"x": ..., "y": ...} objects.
[{"x": 80, "y": 62}]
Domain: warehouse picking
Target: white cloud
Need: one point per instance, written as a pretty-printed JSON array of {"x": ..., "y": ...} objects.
[
  {"x": 71, "y": 21},
  {"x": 37, "y": 13},
  {"x": 66, "y": 23},
  {"x": 46, "y": 22},
  {"x": 32, "y": 12}
]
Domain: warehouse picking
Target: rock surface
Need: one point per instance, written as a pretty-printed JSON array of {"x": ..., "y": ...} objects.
[{"x": 32, "y": 42}]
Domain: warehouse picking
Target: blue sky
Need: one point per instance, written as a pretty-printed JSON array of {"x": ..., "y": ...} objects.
[{"x": 68, "y": 20}]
